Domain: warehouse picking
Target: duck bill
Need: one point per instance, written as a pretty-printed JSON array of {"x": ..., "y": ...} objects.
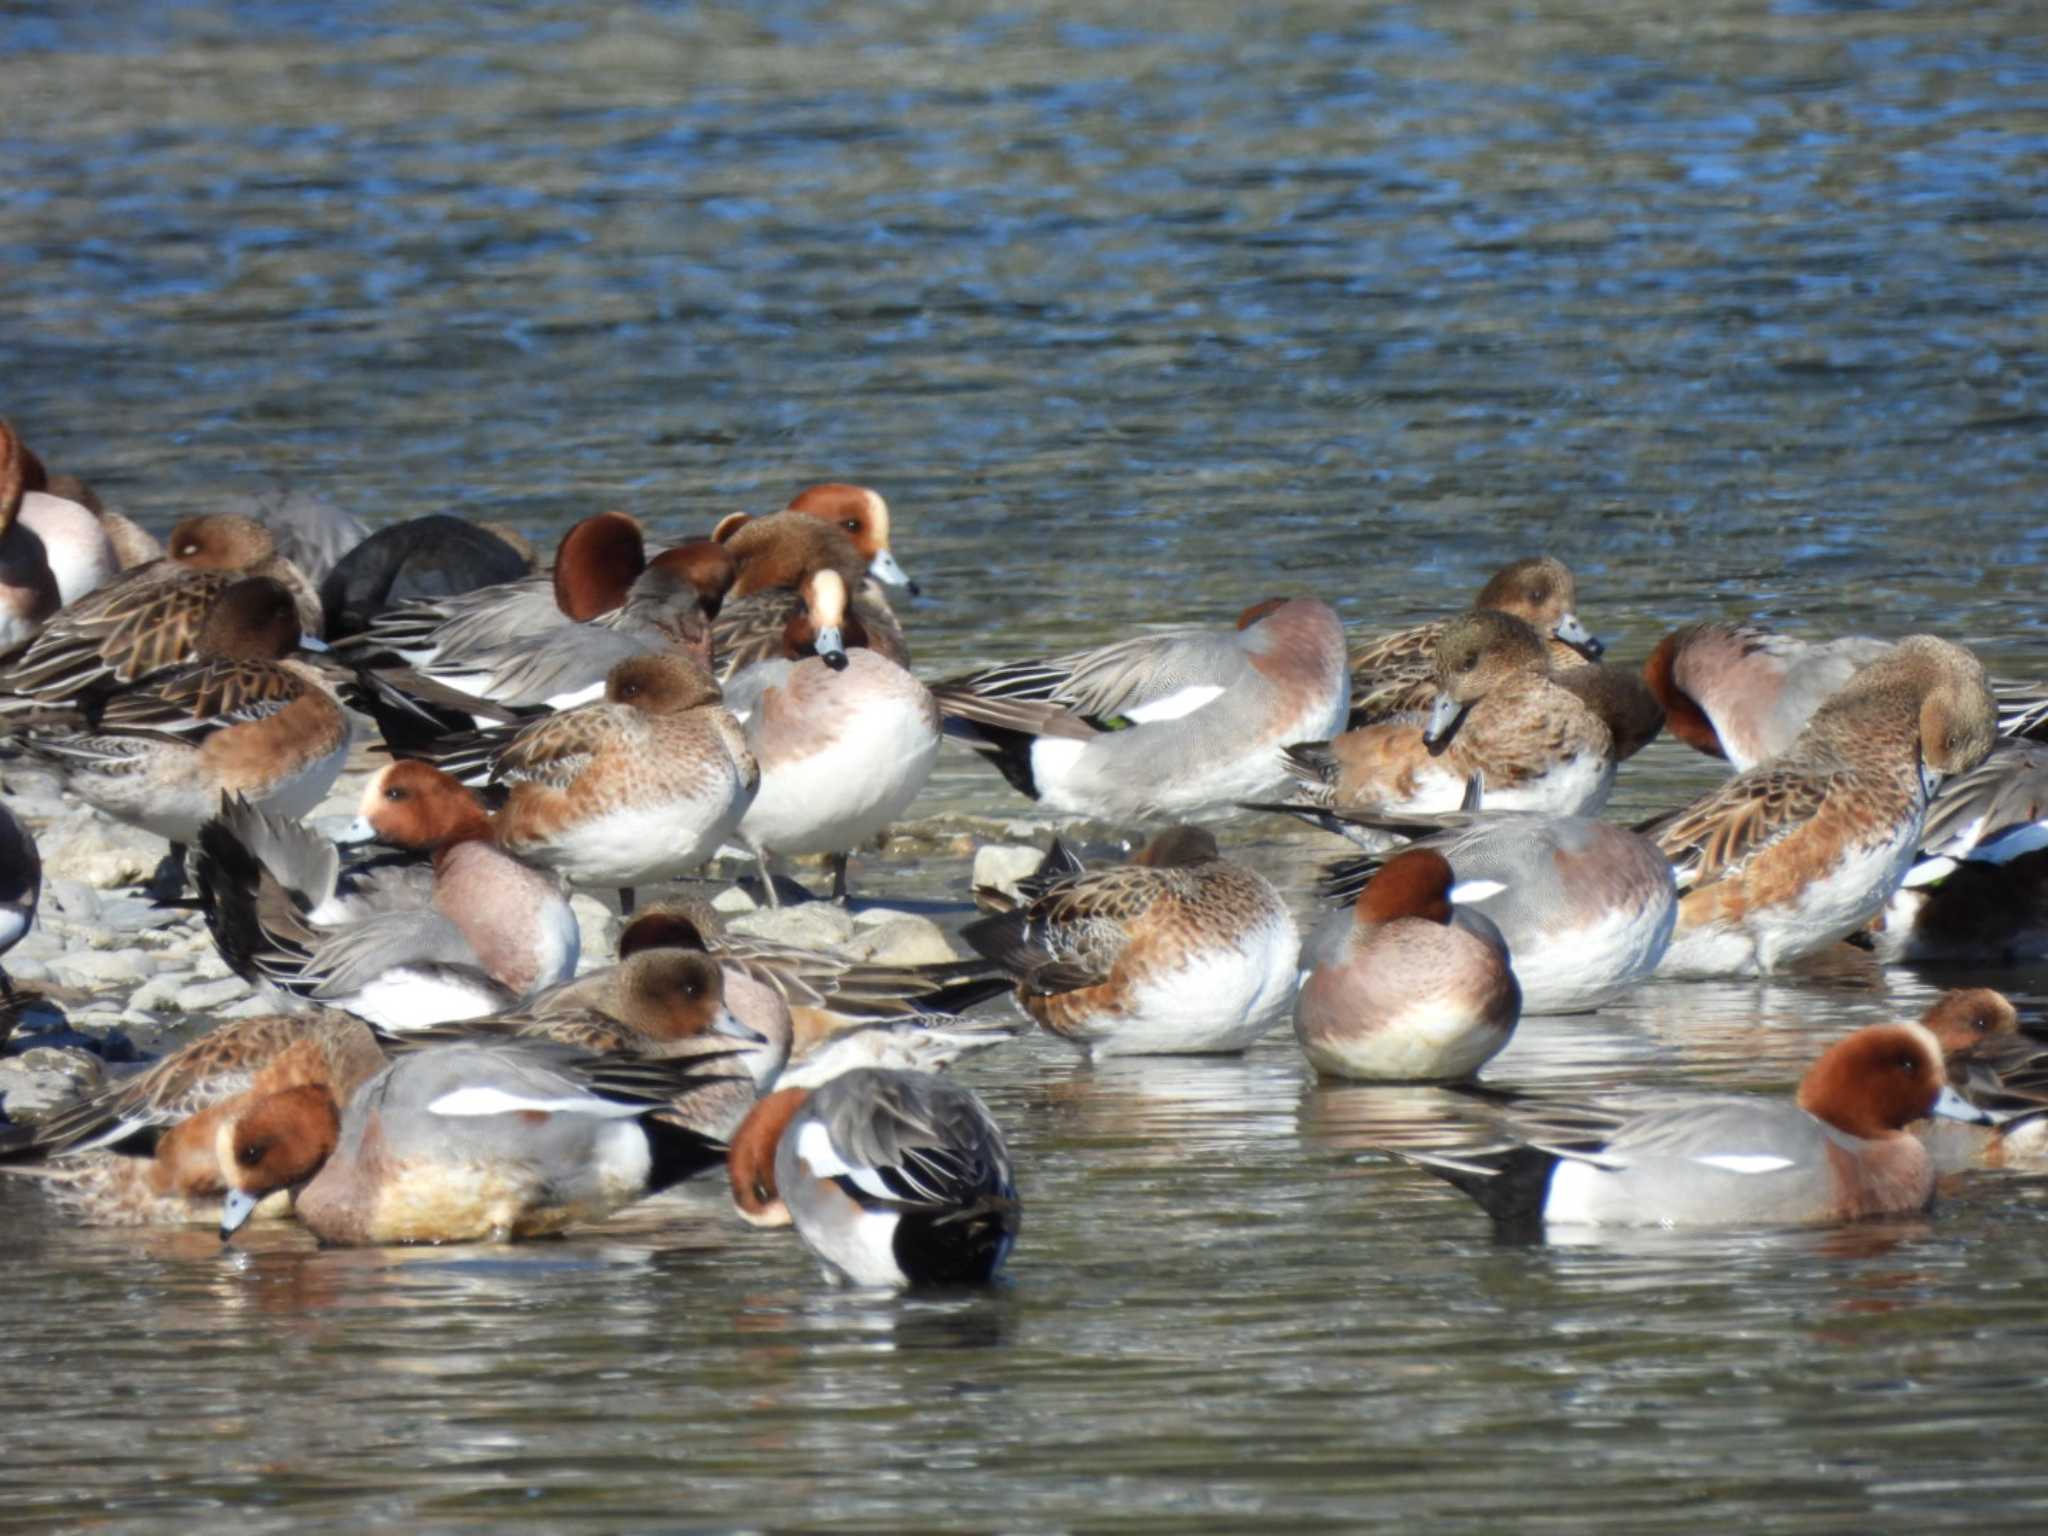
[
  {"x": 1950, "y": 1105},
  {"x": 1444, "y": 716},
  {"x": 885, "y": 570},
  {"x": 1573, "y": 632},
  {"x": 728, "y": 1024},
  {"x": 235, "y": 1212},
  {"x": 831, "y": 648}
]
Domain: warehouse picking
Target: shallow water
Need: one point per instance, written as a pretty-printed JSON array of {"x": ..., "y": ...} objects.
[{"x": 1134, "y": 318}]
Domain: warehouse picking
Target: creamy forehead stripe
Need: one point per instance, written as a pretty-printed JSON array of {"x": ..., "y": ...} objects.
[{"x": 1740, "y": 1162}]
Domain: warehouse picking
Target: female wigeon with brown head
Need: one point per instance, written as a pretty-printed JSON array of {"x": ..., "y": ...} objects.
[
  {"x": 643, "y": 785},
  {"x": 845, "y": 737},
  {"x": 480, "y": 932},
  {"x": 1406, "y": 988},
  {"x": 241, "y": 719},
  {"x": 165, "y": 1120},
  {"x": 1161, "y": 726},
  {"x": 894, "y": 1179},
  {"x": 470, "y": 1143},
  {"x": 1806, "y": 848},
  {"x": 1841, "y": 1153},
  {"x": 1392, "y": 673},
  {"x": 1500, "y": 733},
  {"x": 1178, "y": 952}
]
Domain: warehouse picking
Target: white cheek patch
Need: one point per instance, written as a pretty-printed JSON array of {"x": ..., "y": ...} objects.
[
  {"x": 1738, "y": 1162},
  {"x": 1185, "y": 701},
  {"x": 495, "y": 1101}
]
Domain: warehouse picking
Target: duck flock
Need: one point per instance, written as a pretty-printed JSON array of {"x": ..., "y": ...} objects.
[{"x": 443, "y": 1064}]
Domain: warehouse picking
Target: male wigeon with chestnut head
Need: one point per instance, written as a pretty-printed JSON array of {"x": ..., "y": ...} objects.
[
  {"x": 469, "y": 1143},
  {"x": 52, "y": 550},
  {"x": 863, "y": 516},
  {"x": 776, "y": 560},
  {"x": 1180, "y": 723},
  {"x": 164, "y": 1120},
  {"x": 1406, "y": 987},
  {"x": 1743, "y": 692},
  {"x": 482, "y": 931},
  {"x": 1840, "y": 1153},
  {"x": 1587, "y": 907},
  {"x": 894, "y": 1179},
  {"x": 845, "y": 737},
  {"x": 1392, "y": 673},
  {"x": 1807, "y": 847},
  {"x": 642, "y": 785},
  {"x": 1178, "y": 952}
]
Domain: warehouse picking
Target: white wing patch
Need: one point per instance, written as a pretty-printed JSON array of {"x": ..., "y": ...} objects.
[
  {"x": 814, "y": 1146},
  {"x": 1740, "y": 1162},
  {"x": 495, "y": 1101},
  {"x": 1174, "y": 705},
  {"x": 1465, "y": 892}
]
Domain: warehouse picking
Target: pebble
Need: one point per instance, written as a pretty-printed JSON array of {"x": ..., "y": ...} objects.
[
  {"x": 204, "y": 996},
  {"x": 1001, "y": 865},
  {"x": 97, "y": 852},
  {"x": 597, "y": 927},
  {"x": 99, "y": 967},
  {"x": 901, "y": 939},
  {"x": 812, "y": 924},
  {"x": 44, "y": 1079}
]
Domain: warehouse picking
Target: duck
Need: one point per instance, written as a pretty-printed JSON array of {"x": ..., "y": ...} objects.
[
  {"x": 1977, "y": 893},
  {"x": 845, "y": 738},
  {"x": 1587, "y": 907},
  {"x": 1500, "y": 734},
  {"x": 656, "y": 1002},
  {"x": 242, "y": 718},
  {"x": 149, "y": 618},
  {"x": 1179, "y": 724},
  {"x": 894, "y": 1179},
  {"x": 1178, "y": 952},
  {"x": 129, "y": 543},
  {"x": 642, "y": 785},
  {"x": 421, "y": 560},
  {"x": 313, "y": 533},
  {"x": 1406, "y": 987},
  {"x": 1804, "y": 849},
  {"x": 863, "y": 516},
  {"x": 52, "y": 550},
  {"x": 21, "y": 887},
  {"x": 775, "y": 560},
  {"x": 473, "y": 933},
  {"x": 469, "y": 1143},
  {"x": 1744, "y": 692},
  {"x": 1841, "y": 1152},
  {"x": 1392, "y": 673},
  {"x": 141, "y": 1151}
]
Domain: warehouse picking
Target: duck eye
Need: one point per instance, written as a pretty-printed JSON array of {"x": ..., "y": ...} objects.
[
  {"x": 851, "y": 525},
  {"x": 249, "y": 1154},
  {"x": 1468, "y": 663},
  {"x": 1910, "y": 1065},
  {"x": 394, "y": 795},
  {"x": 762, "y": 1192}
]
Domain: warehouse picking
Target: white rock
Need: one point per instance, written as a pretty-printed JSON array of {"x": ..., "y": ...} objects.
[
  {"x": 102, "y": 853},
  {"x": 99, "y": 967},
  {"x": 204, "y": 996},
  {"x": 161, "y": 990},
  {"x": 733, "y": 899},
  {"x": 904, "y": 939},
  {"x": 1002, "y": 865},
  {"x": 812, "y": 924},
  {"x": 598, "y": 927},
  {"x": 69, "y": 900}
]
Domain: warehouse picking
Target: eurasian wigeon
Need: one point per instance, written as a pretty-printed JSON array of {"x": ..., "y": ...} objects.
[
  {"x": 1841, "y": 1153},
  {"x": 480, "y": 932},
  {"x": 141, "y": 1151},
  {"x": 1407, "y": 988},
  {"x": 1178, "y": 952},
  {"x": 1501, "y": 733},
  {"x": 470, "y": 1143},
  {"x": 894, "y": 1179},
  {"x": 150, "y": 618},
  {"x": 1179, "y": 723},
  {"x": 1587, "y": 908},
  {"x": 775, "y": 559},
  {"x": 663, "y": 1001},
  {"x": 863, "y": 516},
  {"x": 1744, "y": 692},
  {"x": 52, "y": 550},
  {"x": 1807, "y": 847},
  {"x": 240, "y": 719},
  {"x": 1393, "y": 673},
  {"x": 21, "y": 886},
  {"x": 130, "y": 543},
  {"x": 643, "y": 785},
  {"x": 422, "y": 560},
  {"x": 845, "y": 738},
  {"x": 1978, "y": 892}
]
